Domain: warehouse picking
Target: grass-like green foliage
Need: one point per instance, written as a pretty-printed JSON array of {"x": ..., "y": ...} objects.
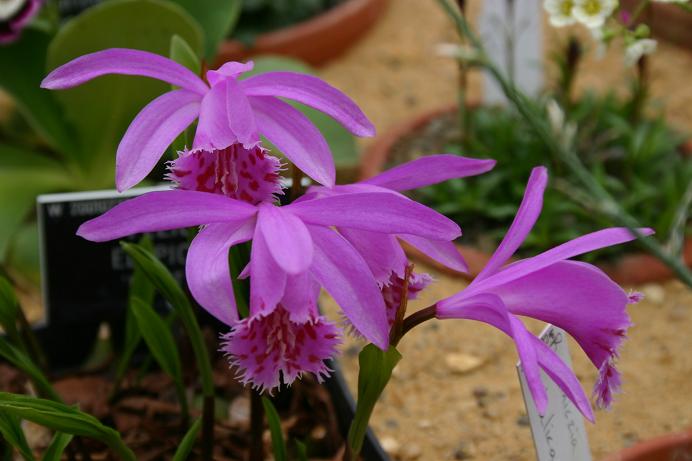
[{"x": 639, "y": 162}]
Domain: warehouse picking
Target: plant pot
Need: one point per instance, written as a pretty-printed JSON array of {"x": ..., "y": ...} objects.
[
  {"x": 631, "y": 269},
  {"x": 315, "y": 41},
  {"x": 674, "y": 447}
]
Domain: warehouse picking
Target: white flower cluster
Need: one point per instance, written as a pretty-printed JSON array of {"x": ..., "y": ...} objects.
[{"x": 591, "y": 13}]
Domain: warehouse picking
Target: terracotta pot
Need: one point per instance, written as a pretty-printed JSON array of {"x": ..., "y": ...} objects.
[
  {"x": 675, "y": 447},
  {"x": 632, "y": 269},
  {"x": 315, "y": 41}
]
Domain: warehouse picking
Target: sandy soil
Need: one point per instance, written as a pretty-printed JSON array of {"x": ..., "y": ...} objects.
[{"x": 434, "y": 411}]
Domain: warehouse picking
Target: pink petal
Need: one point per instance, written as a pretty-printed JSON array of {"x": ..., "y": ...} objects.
[
  {"x": 489, "y": 308},
  {"x": 126, "y": 62},
  {"x": 300, "y": 297},
  {"x": 381, "y": 251},
  {"x": 267, "y": 279},
  {"x": 528, "y": 213},
  {"x": 240, "y": 115},
  {"x": 580, "y": 245},
  {"x": 312, "y": 92},
  {"x": 270, "y": 348},
  {"x": 207, "y": 272},
  {"x": 442, "y": 251},
  {"x": 388, "y": 213},
  {"x": 295, "y": 136},
  {"x": 165, "y": 210},
  {"x": 393, "y": 289},
  {"x": 428, "y": 170},
  {"x": 228, "y": 70},
  {"x": 563, "y": 376},
  {"x": 151, "y": 132},
  {"x": 591, "y": 307},
  {"x": 213, "y": 128},
  {"x": 339, "y": 268},
  {"x": 287, "y": 238}
]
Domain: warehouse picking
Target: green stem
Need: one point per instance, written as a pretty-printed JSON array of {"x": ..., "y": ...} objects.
[
  {"x": 256, "y": 427},
  {"x": 608, "y": 205}
]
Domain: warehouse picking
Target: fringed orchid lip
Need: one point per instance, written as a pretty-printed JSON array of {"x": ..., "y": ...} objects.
[
  {"x": 271, "y": 349},
  {"x": 247, "y": 174}
]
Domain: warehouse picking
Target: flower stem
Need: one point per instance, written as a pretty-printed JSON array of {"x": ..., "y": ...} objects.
[
  {"x": 417, "y": 318},
  {"x": 256, "y": 427},
  {"x": 397, "y": 332}
]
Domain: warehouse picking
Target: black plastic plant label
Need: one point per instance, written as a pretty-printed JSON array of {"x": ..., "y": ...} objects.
[{"x": 84, "y": 282}]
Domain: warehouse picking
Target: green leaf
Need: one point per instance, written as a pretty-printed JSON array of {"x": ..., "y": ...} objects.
[
  {"x": 142, "y": 289},
  {"x": 57, "y": 446},
  {"x": 188, "y": 441},
  {"x": 22, "y": 71},
  {"x": 376, "y": 368},
  {"x": 11, "y": 430},
  {"x": 301, "y": 451},
  {"x": 9, "y": 308},
  {"x": 62, "y": 418},
  {"x": 217, "y": 18},
  {"x": 278, "y": 443},
  {"x": 24, "y": 174},
  {"x": 341, "y": 142},
  {"x": 166, "y": 284},
  {"x": 20, "y": 360},
  {"x": 182, "y": 53},
  {"x": 160, "y": 341},
  {"x": 101, "y": 110}
]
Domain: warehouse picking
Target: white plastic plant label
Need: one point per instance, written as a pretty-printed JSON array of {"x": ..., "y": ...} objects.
[
  {"x": 559, "y": 435},
  {"x": 511, "y": 31}
]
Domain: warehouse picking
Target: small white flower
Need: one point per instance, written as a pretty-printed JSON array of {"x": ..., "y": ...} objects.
[
  {"x": 9, "y": 8},
  {"x": 593, "y": 13},
  {"x": 560, "y": 12},
  {"x": 638, "y": 49}
]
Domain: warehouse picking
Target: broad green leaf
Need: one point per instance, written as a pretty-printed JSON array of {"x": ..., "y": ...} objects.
[
  {"x": 24, "y": 174},
  {"x": 238, "y": 258},
  {"x": 182, "y": 53},
  {"x": 9, "y": 308},
  {"x": 217, "y": 18},
  {"x": 23, "y": 68},
  {"x": 375, "y": 370},
  {"x": 188, "y": 441},
  {"x": 63, "y": 418},
  {"x": 12, "y": 432},
  {"x": 101, "y": 110},
  {"x": 23, "y": 254},
  {"x": 57, "y": 446},
  {"x": 166, "y": 284},
  {"x": 341, "y": 142},
  {"x": 278, "y": 443},
  {"x": 20, "y": 360}
]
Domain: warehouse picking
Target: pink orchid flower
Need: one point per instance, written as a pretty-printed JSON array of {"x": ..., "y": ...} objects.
[
  {"x": 229, "y": 111},
  {"x": 14, "y": 15},
  {"x": 575, "y": 296},
  {"x": 291, "y": 245}
]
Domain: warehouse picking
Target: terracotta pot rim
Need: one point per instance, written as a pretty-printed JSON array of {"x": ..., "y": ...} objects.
[
  {"x": 658, "y": 448},
  {"x": 339, "y": 26},
  {"x": 624, "y": 271}
]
